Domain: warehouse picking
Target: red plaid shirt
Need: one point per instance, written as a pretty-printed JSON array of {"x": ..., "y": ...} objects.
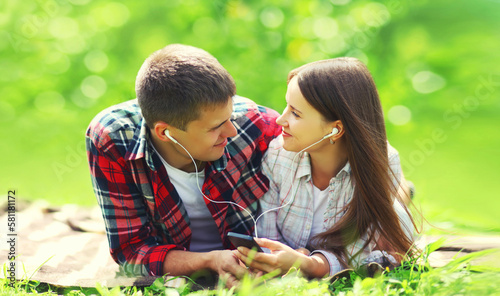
[{"x": 143, "y": 213}]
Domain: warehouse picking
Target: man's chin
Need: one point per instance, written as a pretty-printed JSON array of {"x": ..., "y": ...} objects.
[{"x": 216, "y": 156}]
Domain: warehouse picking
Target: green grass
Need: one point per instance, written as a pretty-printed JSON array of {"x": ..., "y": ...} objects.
[{"x": 416, "y": 277}]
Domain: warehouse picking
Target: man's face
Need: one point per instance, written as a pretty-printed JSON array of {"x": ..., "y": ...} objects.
[{"x": 206, "y": 137}]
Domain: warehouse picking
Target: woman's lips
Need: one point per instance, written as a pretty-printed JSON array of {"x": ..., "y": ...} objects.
[{"x": 285, "y": 134}]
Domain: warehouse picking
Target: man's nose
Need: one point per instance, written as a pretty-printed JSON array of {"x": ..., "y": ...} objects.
[{"x": 229, "y": 130}]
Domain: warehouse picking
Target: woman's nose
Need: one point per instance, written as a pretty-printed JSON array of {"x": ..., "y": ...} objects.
[{"x": 281, "y": 119}]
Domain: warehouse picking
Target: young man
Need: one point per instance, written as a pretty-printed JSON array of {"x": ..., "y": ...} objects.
[{"x": 157, "y": 220}]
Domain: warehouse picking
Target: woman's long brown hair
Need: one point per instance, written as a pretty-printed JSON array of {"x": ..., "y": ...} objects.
[{"x": 343, "y": 89}]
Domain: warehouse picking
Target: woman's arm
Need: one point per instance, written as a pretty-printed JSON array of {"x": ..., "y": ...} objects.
[{"x": 283, "y": 258}]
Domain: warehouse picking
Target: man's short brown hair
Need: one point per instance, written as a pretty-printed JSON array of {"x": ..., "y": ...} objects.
[{"x": 176, "y": 82}]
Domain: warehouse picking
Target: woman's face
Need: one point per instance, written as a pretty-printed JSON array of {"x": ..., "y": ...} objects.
[{"x": 302, "y": 124}]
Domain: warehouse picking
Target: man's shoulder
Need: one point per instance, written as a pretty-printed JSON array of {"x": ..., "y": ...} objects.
[
  {"x": 254, "y": 122},
  {"x": 256, "y": 126},
  {"x": 125, "y": 118},
  {"x": 244, "y": 107}
]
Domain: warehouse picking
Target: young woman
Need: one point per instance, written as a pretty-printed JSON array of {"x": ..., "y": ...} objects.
[{"x": 340, "y": 197}]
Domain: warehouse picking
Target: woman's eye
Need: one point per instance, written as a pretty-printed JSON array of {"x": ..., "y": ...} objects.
[{"x": 295, "y": 114}]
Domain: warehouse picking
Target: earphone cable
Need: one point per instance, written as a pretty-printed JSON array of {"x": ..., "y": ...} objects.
[
  {"x": 296, "y": 188},
  {"x": 233, "y": 203},
  {"x": 214, "y": 201}
]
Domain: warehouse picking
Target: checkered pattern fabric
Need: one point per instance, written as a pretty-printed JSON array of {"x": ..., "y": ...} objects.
[
  {"x": 290, "y": 178},
  {"x": 143, "y": 214}
]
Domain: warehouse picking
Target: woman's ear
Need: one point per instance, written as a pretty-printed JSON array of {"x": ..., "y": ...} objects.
[
  {"x": 340, "y": 128},
  {"x": 337, "y": 131}
]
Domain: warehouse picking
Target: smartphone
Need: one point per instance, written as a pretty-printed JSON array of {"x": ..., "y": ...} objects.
[{"x": 243, "y": 240}]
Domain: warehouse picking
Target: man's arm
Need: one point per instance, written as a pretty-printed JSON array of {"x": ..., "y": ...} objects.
[
  {"x": 225, "y": 263},
  {"x": 133, "y": 240}
]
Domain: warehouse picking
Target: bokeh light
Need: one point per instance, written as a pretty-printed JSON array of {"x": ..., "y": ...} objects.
[
  {"x": 93, "y": 86},
  {"x": 96, "y": 60},
  {"x": 427, "y": 82},
  {"x": 63, "y": 27},
  {"x": 399, "y": 115},
  {"x": 272, "y": 17}
]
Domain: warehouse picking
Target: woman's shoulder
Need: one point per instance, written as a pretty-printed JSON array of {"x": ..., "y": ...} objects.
[
  {"x": 278, "y": 159},
  {"x": 391, "y": 151}
]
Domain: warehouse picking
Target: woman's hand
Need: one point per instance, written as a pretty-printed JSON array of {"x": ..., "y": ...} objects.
[{"x": 281, "y": 258}]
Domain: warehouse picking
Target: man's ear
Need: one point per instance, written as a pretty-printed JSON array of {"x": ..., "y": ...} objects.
[{"x": 159, "y": 131}]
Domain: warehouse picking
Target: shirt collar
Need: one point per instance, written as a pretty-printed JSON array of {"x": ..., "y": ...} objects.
[
  {"x": 304, "y": 168},
  {"x": 345, "y": 170},
  {"x": 221, "y": 163},
  {"x": 141, "y": 146}
]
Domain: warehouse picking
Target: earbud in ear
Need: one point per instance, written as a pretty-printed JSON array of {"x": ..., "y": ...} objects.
[
  {"x": 167, "y": 134},
  {"x": 333, "y": 133}
]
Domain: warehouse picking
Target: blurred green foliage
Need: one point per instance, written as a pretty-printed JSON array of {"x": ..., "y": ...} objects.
[{"x": 435, "y": 64}]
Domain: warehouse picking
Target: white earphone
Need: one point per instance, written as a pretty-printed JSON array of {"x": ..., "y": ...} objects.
[
  {"x": 333, "y": 133},
  {"x": 167, "y": 134}
]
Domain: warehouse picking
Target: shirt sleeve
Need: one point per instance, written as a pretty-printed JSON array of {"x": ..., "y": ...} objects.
[
  {"x": 133, "y": 240},
  {"x": 375, "y": 256},
  {"x": 400, "y": 208},
  {"x": 404, "y": 220},
  {"x": 267, "y": 220},
  {"x": 270, "y": 129},
  {"x": 396, "y": 172},
  {"x": 333, "y": 261}
]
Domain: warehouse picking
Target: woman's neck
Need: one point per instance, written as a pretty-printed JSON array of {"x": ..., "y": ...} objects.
[{"x": 327, "y": 163}]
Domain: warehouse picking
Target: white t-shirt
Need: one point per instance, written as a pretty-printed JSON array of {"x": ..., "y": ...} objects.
[
  {"x": 320, "y": 203},
  {"x": 205, "y": 235}
]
